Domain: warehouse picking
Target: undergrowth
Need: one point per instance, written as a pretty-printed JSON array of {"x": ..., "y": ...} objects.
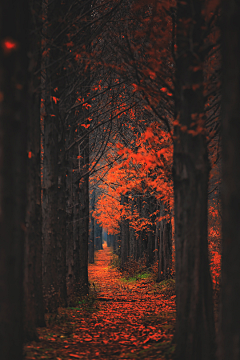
[
  {"x": 115, "y": 261},
  {"x": 142, "y": 276},
  {"x": 84, "y": 303},
  {"x": 164, "y": 349},
  {"x": 165, "y": 287}
]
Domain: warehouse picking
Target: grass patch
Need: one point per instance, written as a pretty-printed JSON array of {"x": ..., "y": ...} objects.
[
  {"x": 165, "y": 287},
  {"x": 142, "y": 276}
]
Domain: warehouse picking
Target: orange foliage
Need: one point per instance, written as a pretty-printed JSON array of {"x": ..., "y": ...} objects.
[{"x": 145, "y": 171}]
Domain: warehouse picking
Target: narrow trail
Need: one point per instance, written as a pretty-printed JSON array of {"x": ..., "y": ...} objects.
[{"x": 129, "y": 320}]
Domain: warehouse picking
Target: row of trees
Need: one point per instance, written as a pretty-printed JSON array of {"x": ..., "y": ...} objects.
[{"x": 127, "y": 91}]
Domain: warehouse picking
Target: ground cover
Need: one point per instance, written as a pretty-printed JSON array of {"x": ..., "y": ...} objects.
[{"x": 120, "y": 319}]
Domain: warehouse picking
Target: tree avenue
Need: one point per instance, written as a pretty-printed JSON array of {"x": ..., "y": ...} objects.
[{"x": 118, "y": 122}]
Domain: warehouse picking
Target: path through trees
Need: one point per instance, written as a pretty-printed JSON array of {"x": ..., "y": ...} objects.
[{"x": 128, "y": 319}]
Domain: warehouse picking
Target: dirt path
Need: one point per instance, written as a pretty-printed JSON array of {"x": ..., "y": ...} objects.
[{"x": 129, "y": 320}]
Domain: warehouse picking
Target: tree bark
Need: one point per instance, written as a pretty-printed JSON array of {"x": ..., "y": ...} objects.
[
  {"x": 82, "y": 276},
  {"x": 33, "y": 302},
  {"x": 53, "y": 203},
  {"x": 165, "y": 246},
  {"x": 195, "y": 323},
  {"x": 229, "y": 340},
  {"x": 15, "y": 104},
  {"x": 91, "y": 237},
  {"x": 124, "y": 235},
  {"x": 98, "y": 236}
]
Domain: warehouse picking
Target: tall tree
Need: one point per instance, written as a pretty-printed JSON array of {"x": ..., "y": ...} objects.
[
  {"x": 53, "y": 240},
  {"x": 14, "y": 114},
  {"x": 78, "y": 158},
  {"x": 91, "y": 224},
  {"x": 229, "y": 340},
  {"x": 33, "y": 302},
  {"x": 195, "y": 322}
]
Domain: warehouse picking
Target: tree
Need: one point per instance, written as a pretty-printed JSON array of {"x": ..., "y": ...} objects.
[
  {"x": 15, "y": 106},
  {"x": 195, "y": 322},
  {"x": 33, "y": 292},
  {"x": 91, "y": 224},
  {"x": 229, "y": 344},
  {"x": 53, "y": 199}
]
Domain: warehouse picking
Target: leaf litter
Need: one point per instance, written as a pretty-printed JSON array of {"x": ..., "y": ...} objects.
[{"x": 118, "y": 320}]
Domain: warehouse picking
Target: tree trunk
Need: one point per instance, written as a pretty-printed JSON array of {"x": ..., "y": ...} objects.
[
  {"x": 195, "y": 322},
  {"x": 98, "y": 236},
  {"x": 53, "y": 203},
  {"x": 33, "y": 302},
  {"x": 91, "y": 237},
  {"x": 165, "y": 247},
  {"x": 151, "y": 204},
  {"x": 132, "y": 235},
  {"x": 82, "y": 277},
  {"x": 70, "y": 211},
  {"x": 50, "y": 209},
  {"x": 229, "y": 341},
  {"x": 15, "y": 104},
  {"x": 124, "y": 235}
]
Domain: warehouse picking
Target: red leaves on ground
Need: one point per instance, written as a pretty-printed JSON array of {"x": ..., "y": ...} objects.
[{"x": 128, "y": 318}]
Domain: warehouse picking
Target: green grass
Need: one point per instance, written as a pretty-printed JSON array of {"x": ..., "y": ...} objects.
[
  {"x": 166, "y": 287},
  {"x": 141, "y": 276}
]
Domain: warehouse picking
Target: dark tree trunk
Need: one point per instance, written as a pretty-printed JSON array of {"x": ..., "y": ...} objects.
[
  {"x": 195, "y": 322},
  {"x": 50, "y": 209},
  {"x": 98, "y": 236},
  {"x": 91, "y": 237},
  {"x": 165, "y": 246},
  {"x": 139, "y": 237},
  {"x": 70, "y": 211},
  {"x": 61, "y": 219},
  {"x": 108, "y": 240},
  {"x": 113, "y": 242},
  {"x": 83, "y": 232},
  {"x": 77, "y": 198},
  {"x": 34, "y": 309},
  {"x": 229, "y": 341},
  {"x": 124, "y": 235},
  {"x": 53, "y": 203},
  {"x": 15, "y": 105},
  {"x": 77, "y": 156},
  {"x": 77, "y": 215},
  {"x": 132, "y": 235},
  {"x": 160, "y": 248},
  {"x": 151, "y": 205},
  {"x": 156, "y": 242}
]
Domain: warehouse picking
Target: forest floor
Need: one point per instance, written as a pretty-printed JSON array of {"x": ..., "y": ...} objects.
[{"x": 120, "y": 319}]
